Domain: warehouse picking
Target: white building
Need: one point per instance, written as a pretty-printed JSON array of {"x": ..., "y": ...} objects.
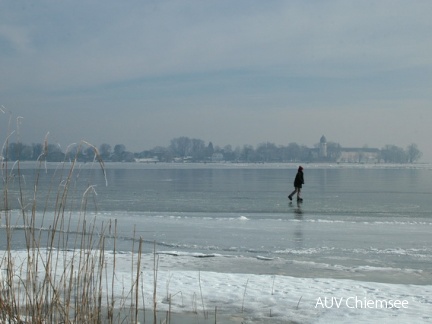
[{"x": 350, "y": 154}]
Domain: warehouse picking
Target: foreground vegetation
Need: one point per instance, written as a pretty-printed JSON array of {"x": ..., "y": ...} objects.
[
  {"x": 49, "y": 285},
  {"x": 57, "y": 264}
]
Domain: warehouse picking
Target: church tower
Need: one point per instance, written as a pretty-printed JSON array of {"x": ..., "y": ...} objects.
[{"x": 323, "y": 147}]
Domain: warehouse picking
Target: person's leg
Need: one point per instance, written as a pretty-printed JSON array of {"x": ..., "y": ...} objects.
[
  {"x": 298, "y": 194},
  {"x": 292, "y": 194}
]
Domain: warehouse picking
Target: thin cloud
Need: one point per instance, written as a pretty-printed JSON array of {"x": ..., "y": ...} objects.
[{"x": 251, "y": 63}]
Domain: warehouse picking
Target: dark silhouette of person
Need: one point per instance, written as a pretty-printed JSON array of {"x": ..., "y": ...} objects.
[{"x": 298, "y": 183}]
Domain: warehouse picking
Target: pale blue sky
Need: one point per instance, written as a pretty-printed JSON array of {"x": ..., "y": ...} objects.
[{"x": 232, "y": 72}]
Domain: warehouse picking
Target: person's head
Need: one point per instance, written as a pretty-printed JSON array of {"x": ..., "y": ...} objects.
[{"x": 300, "y": 168}]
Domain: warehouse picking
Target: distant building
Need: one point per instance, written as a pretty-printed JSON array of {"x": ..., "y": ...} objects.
[
  {"x": 217, "y": 157},
  {"x": 323, "y": 147},
  {"x": 360, "y": 155},
  {"x": 147, "y": 160},
  {"x": 350, "y": 154}
]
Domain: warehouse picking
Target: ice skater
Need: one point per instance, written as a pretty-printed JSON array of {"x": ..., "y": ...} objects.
[{"x": 298, "y": 183}]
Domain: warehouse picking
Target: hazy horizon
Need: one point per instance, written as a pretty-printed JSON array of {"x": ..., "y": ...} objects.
[{"x": 238, "y": 73}]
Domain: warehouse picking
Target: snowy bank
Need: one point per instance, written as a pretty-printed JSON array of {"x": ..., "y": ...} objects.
[{"x": 260, "y": 298}]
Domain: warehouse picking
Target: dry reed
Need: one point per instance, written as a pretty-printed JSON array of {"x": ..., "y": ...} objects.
[{"x": 64, "y": 275}]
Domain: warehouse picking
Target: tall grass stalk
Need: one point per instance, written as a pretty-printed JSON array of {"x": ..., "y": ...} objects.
[
  {"x": 155, "y": 273},
  {"x": 244, "y": 295},
  {"x": 64, "y": 275},
  {"x": 202, "y": 298}
]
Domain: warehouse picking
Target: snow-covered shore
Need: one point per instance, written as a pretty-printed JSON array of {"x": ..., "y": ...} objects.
[{"x": 259, "y": 298}]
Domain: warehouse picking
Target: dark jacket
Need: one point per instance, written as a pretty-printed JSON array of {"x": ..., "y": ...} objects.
[{"x": 299, "y": 180}]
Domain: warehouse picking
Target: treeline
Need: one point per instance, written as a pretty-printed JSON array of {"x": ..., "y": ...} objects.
[{"x": 185, "y": 149}]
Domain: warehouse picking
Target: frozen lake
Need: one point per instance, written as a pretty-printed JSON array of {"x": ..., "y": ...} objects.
[{"x": 359, "y": 226}]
